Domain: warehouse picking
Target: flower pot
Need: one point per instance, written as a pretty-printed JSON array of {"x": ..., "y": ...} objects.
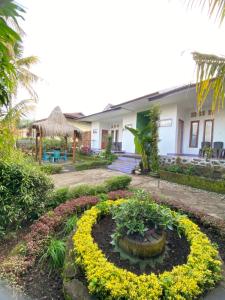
[{"x": 143, "y": 249}]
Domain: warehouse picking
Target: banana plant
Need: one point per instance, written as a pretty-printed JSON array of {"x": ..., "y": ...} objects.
[{"x": 142, "y": 140}]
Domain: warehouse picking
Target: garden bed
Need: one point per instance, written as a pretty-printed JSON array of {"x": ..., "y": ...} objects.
[{"x": 103, "y": 230}]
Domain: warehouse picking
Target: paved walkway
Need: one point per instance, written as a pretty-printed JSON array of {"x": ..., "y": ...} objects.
[{"x": 211, "y": 203}]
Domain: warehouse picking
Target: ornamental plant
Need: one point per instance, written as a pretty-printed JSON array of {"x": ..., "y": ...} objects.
[
  {"x": 137, "y": 216},
  {"x": 154, "y": 151}
]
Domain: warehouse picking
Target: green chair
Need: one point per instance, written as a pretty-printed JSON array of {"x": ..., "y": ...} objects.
[{"x": 56, "y": 155}]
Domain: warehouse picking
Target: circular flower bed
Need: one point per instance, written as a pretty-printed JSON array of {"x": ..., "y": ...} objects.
[{"x": 201, "y": 272}]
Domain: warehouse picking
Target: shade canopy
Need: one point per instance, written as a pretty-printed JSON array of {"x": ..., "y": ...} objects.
[{"x": 56, "y": 125}]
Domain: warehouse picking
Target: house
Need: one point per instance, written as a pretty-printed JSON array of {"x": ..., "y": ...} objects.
[{"x": 181, "y": 128}]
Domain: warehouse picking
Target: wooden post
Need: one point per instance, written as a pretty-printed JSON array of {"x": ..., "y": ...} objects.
[
  {"x": 36, "y": 146},
  {"x": 40, "y": 147},
  {"x": 66, "y": 144},
  {"x": 74, "y": 145}
]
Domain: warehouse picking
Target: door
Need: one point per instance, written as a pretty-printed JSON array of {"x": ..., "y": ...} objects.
[
  {"x": 104, "y": 138},
  {"x": 180, "y": 136}
]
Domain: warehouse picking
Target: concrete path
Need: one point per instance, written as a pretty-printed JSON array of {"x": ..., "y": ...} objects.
[
  {"x": 211, "y": 203},
  {"x": 7, "y": 293}
]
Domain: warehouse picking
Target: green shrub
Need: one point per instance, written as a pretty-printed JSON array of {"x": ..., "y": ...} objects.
[
  {"x": 117, "y": 183},
  {"x": 24, "y": 193},
  {"x": 137, "y": 216},
  {"x": 59, "y": 196},
  {"x": 175, "y": 169},
  {"x": 54, "y": 255},
  {"x": 86, "y": 190},
  {"x": 51, "y": 169},
  {"x": 91, "y": 164},
  {"x": 195, "y": 181},
  {"x": 70, "y": 224}
]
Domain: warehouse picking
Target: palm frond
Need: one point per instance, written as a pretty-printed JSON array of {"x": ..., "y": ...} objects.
[
  {"x": 27, "y": 61},
  {"x": 210, "y": 77},
  {"x": 216, "y": 8},
  {"x": 19, "y": 110}
]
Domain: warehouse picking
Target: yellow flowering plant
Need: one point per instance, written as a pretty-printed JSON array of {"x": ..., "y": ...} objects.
[{"x": 188, "y": 281}]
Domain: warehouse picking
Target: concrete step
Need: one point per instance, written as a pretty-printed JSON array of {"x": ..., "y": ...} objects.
[{"x": 124, "y": 164}]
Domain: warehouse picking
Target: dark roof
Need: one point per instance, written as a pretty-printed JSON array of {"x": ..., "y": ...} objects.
[
  {"x": 74, "y": 115},
  {"x": 150, "y": 97}
]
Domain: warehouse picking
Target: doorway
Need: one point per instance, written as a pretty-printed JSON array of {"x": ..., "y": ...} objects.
[
  {"x": 105, "y": 134},
  {"x": 180, "y": 136}
]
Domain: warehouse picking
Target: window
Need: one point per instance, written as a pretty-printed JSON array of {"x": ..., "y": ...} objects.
[
  {"x": 194, "y": 134},
  {"x": 208, "y": 131}
]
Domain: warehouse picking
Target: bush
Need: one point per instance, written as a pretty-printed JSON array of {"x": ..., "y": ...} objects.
[
  {"x": 91, "y": 164},
  {"x": 118, "y": 183},
  {"x": 194, "y": 181},
  {"x": 24, "y": 193},
  {"x": 86, "y": 190},
  {"x": 59, "y": 196},
  {"x": 51, "y": 169}
]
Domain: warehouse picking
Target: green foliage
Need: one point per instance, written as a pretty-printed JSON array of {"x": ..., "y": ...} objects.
[
  {"x": 54, "y": 255},
  {"x": 9, "y": 11},
  {"x": 142, "y": 139},
  {"x": 175, "y": 169},
  {"x": 91, "y": 164},
  {"x": 137, "y": 216},
  {"x": 70, "y": 224},
  {"x": 61, "y": 195},
  {"x": 194, "y": 181},
  {"x": 108, "y": 150},
  {"x": 51, "y": 169},
  {"x": 24, "y": 193},
  {"x": 154, "y": 152},
  {"x": 117, "y": 183}
]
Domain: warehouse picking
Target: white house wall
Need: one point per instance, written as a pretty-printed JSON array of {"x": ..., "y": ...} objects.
[
  {"x": 167, "y": 135},
  {"x": 128, "y": 139}
]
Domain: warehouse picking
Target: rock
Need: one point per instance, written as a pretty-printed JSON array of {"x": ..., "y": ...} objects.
[{"x": 75, "y": 290}]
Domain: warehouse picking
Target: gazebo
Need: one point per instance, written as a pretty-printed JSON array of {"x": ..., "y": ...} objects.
[{"x": 55, "y": 125}]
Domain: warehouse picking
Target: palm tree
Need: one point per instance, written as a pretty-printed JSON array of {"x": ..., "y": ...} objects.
[
  {"x": 9, "y": 12},
  {"x": 210, "y": 68}
]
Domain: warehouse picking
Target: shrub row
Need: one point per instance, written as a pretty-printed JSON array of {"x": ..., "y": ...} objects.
[
  {"x": 194, "y": 181},
  {"x": 51, "y": 169},
  {"x": 111, "y": 184},
  {"x": 92, "y": 164},
  {"x": 202, "y": 270},
  {"x": 24, "y": 193}
]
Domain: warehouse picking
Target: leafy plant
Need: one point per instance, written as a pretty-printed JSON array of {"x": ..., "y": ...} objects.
[
  {"x": 142, "y": 139},
  {"x": 117, "y": 183},
  {"x": 51, "y": 169},
  {"x": 54, "y": 255},
  {"x": 108, "y": 150},
  {"x": 24, "y": 193},
  {"x": 154, "y": 152},
  {"x": 137, "y": 216},
  {"x": 70, "y": 224}
]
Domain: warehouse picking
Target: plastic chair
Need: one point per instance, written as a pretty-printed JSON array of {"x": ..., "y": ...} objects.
[
  {"x": 64, "y": 157},
  {"x": 45, "y": 156},
  {"x": 56, "y": 155}
]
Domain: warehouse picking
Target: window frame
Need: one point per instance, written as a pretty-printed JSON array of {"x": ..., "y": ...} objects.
[
  {"x": 212, "y": 131},
  {"x": 190, "y": 139}
]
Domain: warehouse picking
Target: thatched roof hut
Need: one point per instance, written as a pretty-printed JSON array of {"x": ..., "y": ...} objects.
[{"x": 55, "y": 125}]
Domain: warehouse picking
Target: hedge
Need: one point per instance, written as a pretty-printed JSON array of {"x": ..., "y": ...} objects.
[
  {"x": 24, "y": 193},
  {"x": 92, "y": 164},
  {"x": 194, "y": 181},
  {"x": 51, "y": 169}
]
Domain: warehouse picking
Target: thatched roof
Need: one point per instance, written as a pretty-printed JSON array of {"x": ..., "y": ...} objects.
[{"x": 56, "y": 125}]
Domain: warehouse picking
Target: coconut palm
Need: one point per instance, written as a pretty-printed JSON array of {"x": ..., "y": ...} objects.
[
  {"x": 9, "y": 12},
  {"x": 210, "y": 68}
]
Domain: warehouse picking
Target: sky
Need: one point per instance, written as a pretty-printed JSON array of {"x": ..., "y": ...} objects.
[{"x": 109, "y": 51}]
